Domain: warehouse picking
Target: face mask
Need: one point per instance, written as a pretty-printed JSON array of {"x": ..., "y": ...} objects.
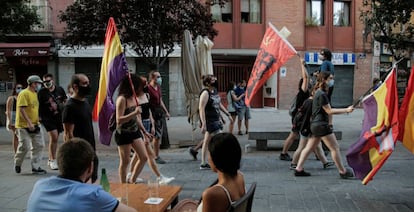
[
  {"x": 84, "y": 91},
  {"x": 331, "y": 83},
  {"x": 18, "y": 90},
  {"x": 159, "y": 81},
  {"x": 215, "y": 84},
  {"x": 48, "y": 84},
  {"x": 38, "y": 87}
]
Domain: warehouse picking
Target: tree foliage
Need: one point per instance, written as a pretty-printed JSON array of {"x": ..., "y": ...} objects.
[
  {"x": 389, "y": 22},
  {"x": 17, "y": 17},
  {"x": 150, "y": 27}
]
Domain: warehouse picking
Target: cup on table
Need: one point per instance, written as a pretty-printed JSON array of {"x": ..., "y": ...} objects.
[
  {"x": 122, "y": 193},
  {"x": 153, "y": 186}
]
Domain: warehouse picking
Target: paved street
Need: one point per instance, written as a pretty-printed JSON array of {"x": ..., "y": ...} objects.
[{"x": 278, "y": 190}]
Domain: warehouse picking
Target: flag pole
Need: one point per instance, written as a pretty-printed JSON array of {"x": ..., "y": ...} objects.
[
  {"x": 130, "y": 80},
  {"x": 370, "y": 89}
]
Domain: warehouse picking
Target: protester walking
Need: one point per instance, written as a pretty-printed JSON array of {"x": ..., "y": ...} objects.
[
  {"x": 11, "y": 114},
  {"x": 159, "y": 111},
  {"x": 77, "y": 116},
  {"x": 209, "y": 108},
  {"x": 27, "y": 126},
  {"x": 145, "y": 124},
  {"x": 301, "y": 96},
  {"x": 51, "y": 101},
  {"x": 321, "y": 128},
  {"x": 327, "y": 66}
]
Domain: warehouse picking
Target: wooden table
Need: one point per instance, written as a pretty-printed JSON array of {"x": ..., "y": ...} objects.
[{"x": 138, "y": 193}]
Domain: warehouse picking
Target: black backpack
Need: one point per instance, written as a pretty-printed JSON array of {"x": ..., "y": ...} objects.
[{"x": 301, "y": 121}]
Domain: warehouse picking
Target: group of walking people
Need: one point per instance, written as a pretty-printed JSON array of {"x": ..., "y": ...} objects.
[
  {"x": 312, "y": 121},
  {"x": 139, "y": 112}
]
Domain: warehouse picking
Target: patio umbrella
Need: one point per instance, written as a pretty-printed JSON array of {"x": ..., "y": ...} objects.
[
  {"x": 191, "y": 78},
  {"x": 203, "y": 52}
]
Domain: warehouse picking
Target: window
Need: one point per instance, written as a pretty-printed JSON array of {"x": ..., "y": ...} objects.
[
  {"x": 341, "y": 13},
  {"x": 222, "y": 14},
  {"x": 250, "y": 11},
  {"x": 314, "y": 12}
]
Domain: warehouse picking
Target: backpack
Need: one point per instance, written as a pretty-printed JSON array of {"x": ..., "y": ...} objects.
[{"x": 301, "y": 121}]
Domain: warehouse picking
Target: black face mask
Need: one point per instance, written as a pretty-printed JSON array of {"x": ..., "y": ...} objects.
[
  {"x": 215, "y": 84},
  {"x": 84, "y": 91}
]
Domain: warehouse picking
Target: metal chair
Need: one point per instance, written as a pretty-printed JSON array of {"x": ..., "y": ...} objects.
[{"x": 245, "y": 203}]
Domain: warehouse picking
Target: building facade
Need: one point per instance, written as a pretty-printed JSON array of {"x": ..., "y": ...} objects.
[{"x": 313, "y": 25}]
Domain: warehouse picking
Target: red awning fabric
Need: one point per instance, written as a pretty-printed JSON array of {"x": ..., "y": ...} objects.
[{"x": 25, "y": 49}]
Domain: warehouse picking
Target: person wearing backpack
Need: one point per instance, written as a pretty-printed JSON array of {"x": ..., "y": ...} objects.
[
  {"x": 301, "y": 121},
  {"x": 301, "y": 96},
  {"x": 322, "y": 129}
]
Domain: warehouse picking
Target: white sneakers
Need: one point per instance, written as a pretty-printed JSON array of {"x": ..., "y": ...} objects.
[
  {"x": 52, "y": 164},
  {"x": 165, "y": 180},
  {"x": 139, "y": 180}
]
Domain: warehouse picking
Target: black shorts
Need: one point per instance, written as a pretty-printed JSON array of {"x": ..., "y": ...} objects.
[
  {"x": 126, "y": 137},
  {"x": 321, "y": 129},
  {"x": 53, "y": 124}
]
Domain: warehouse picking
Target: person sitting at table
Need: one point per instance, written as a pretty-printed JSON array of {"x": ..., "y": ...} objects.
[{"x": 69, "y": 191}]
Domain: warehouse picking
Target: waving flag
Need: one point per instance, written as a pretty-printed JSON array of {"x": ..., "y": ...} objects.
[
  {"x": 113, "y": 70},
  {"x": 274, "y": 51},
  {"x": 406, "y": 116},
  {"x": 379, "y": 131}
]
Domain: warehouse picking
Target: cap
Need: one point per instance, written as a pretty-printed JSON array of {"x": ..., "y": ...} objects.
[{"x": 34, "y": 78}]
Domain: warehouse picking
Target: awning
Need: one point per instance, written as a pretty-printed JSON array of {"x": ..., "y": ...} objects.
[{"x": 24, "y": 49}]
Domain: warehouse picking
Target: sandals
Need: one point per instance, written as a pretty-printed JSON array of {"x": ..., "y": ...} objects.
[{"x": 328, "y": 164}]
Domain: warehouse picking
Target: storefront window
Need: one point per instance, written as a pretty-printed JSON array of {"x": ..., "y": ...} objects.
[
  {"x": 314, "y": 13},
  {"x": 250, "y": 11},
  {"x": 341, "y": 13}
]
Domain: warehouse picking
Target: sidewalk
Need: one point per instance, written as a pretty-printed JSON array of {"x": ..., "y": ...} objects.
[{"x": 277, "y": 190}]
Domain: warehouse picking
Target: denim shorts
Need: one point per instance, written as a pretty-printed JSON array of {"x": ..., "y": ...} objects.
[
  {"x": 214, "y": 126},
  {"x": 147, "y": 124}
]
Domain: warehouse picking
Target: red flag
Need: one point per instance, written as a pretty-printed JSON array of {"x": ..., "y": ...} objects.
[
  {"x": 406, "y": 116},
  {"x": 273, "y": 53}
]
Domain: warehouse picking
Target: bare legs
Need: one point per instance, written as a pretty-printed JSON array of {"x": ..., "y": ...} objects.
[
  {"x": 331, "y": 143},
  {"x": 53, "y": 139},
  {"x": 15, "y": 141},
  {"x": 289, "y": 141},
  {"x": 231, "y": 124},
  {"x": 207, "y": 138},
  {"x": 124, "y": 153}
]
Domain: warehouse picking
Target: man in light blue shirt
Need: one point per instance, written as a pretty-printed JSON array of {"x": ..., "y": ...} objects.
[{"x": 69, "y": 191}]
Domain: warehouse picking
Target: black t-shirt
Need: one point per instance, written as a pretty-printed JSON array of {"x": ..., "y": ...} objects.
[
  {"x": 79, "y": 113},
  {"x": 300, "y": 98},
  {"x": 319, "y": 116},
  {"x": 50, "y": 103}
]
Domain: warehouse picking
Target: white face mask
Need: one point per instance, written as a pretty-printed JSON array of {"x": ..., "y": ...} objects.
[
  {"x": 18, "y": 90},
  {"x": 38, "y": 87}
]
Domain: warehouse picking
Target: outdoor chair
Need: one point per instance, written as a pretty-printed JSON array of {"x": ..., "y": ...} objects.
[{"x": 245, "y": 203}]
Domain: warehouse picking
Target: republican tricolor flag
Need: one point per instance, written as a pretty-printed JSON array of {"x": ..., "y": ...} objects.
[
  {"x": 113, "y": 70},
  {"x": 379, "y": 130},
  {"x": 274, "y": 51},
  {"x": 406, "y": 116}
]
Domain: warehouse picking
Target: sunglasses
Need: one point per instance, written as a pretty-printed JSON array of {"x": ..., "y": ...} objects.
[
  {"x": 19, "y": 87},
  {"x": 46, "y": 81}
]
